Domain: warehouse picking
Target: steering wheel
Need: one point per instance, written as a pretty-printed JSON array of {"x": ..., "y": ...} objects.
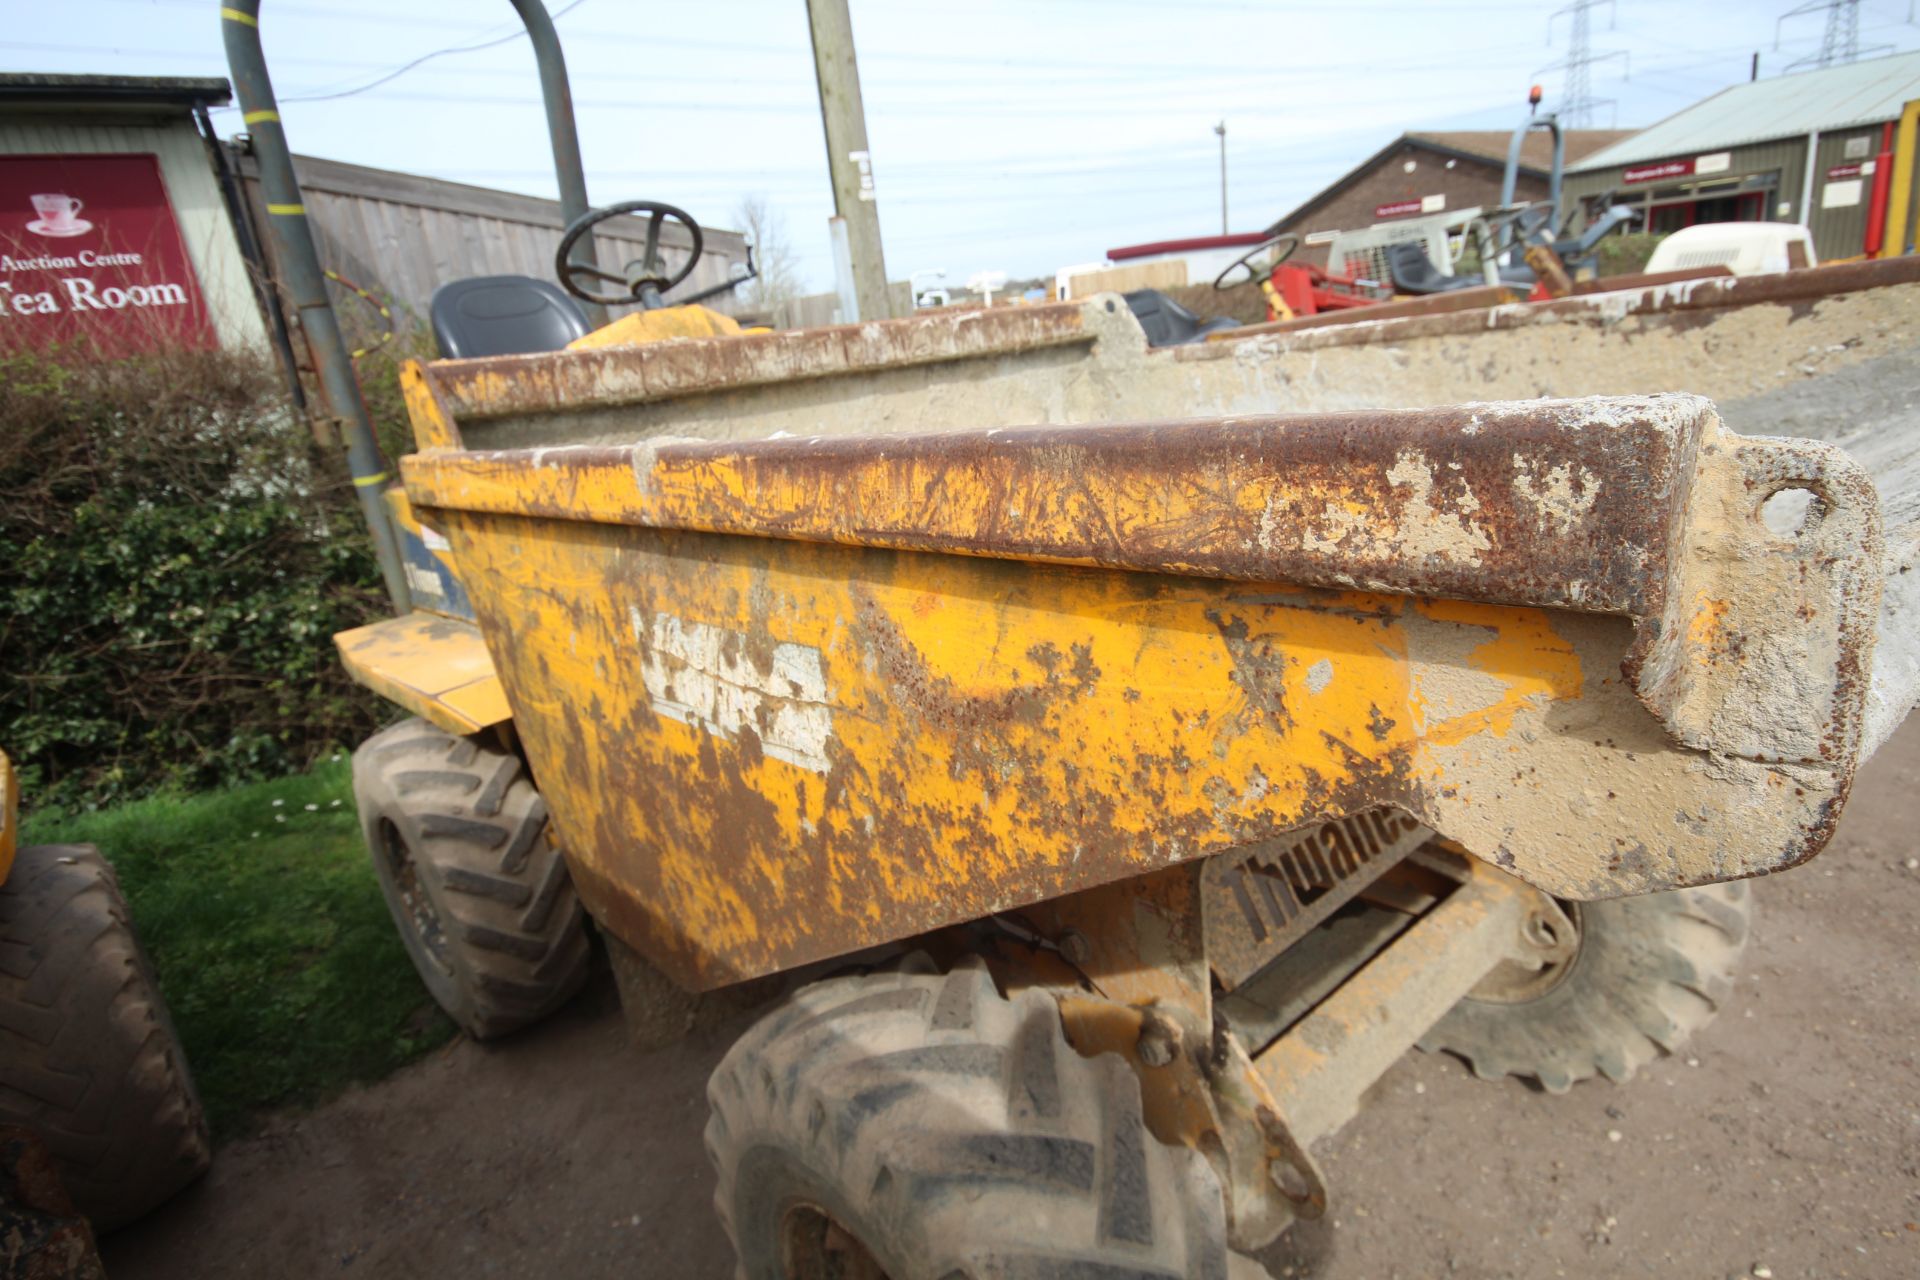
[
  {"x": 649, "y": 281},
  {"x": 1245, "y": 261}
]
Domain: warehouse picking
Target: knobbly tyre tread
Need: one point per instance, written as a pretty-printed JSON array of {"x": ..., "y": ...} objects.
[
  {"x": 90, "y": 1062},
  {"x": 1651, "y": 971},
  {"x": 957, "y": 1135},
  {"x": 516, "y": 942}
]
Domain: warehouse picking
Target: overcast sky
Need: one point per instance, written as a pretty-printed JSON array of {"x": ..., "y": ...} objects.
[{"x": 1017, "y": 135}]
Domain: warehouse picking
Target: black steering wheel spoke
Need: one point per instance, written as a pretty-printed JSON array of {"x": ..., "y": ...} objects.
[{"x": 588, "y": 269}]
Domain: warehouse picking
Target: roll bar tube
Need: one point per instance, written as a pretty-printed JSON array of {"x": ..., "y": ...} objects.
[
  {"x": 1510, "y": 181},
  {"x": 298, "y": 256}
]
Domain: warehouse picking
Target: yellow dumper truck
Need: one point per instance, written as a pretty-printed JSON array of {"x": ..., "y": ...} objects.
[{"x": 1129, "y": 753}]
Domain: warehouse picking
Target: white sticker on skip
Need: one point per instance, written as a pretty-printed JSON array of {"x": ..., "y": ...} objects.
[{"x": 717, "y": 680}]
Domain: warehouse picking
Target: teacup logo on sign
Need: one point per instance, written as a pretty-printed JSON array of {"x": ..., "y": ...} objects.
[{"x": 58, "y": 215}]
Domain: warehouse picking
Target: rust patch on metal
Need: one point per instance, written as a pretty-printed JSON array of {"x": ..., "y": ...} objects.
[{"x": 1564, "y": 503}]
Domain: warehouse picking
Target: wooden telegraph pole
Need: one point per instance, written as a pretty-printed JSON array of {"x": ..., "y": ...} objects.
[{"x": 848, "y": 159}]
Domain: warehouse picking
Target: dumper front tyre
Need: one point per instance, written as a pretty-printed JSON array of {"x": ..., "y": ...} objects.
[
  {"x": 920, "y": 1126},
  {"x": 1648, "y": 973},
  {"x": 478, "y": 889},
  {"x": 90, "y": 1062}
]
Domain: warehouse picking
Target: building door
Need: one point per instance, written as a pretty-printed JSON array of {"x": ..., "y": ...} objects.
[{"x": 1671, "y": 215}]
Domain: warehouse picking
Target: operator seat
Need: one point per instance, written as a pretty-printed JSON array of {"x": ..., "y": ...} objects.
[
  {"x": 504, "y": 316},
  {"x": 1168, "y": 324},
  {"x": 1413, "y": 272}
]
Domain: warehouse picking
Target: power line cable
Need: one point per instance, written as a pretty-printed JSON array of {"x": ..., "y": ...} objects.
[{"x": 401, "y": 70}]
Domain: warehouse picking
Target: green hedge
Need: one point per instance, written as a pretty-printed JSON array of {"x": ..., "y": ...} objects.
[{"x": 177, "y": 558}]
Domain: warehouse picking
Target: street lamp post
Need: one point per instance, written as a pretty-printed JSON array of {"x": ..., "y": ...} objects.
[{"x": 1221, "y": 129}]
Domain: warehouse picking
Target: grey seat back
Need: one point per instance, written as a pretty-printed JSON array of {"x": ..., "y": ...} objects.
[
  {"x": 502, "y": 316},
  {"x": 1167, "y": 323}
]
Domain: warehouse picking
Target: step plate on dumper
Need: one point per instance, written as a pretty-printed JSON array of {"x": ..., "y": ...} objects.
[{"x": 795, "y": 697}]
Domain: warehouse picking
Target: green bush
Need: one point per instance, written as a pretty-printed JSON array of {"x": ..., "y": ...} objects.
[
  {"x": 1626, "y": 255},
  {"x": 177, "y": 559}
]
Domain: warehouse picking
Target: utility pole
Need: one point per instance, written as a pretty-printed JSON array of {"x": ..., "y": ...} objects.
[
  {"x": 848, "y": 160},
  {"x": 1221, "y": 129},
  {"x": 1577, "y": 103}
]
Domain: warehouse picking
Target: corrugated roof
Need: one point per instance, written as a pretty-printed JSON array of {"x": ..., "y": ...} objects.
[
  {"x": 1535, "y": 153},
  {"x": 1867, "y": 92},
  {"x": 1487, "y": 146}
]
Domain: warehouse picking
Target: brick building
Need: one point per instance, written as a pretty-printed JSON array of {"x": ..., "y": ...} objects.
[{"x": 1424, "y": 173}]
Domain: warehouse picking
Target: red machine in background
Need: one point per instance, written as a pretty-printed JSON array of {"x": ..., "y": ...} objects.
[{"x": 1295, "y": 289}]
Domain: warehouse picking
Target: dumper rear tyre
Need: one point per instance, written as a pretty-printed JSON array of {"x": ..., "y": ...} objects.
[
  {"x": 1649, "y": 972},
  {"x": 478, "y": 889},
  {"x": 89, "y": 1061},
  {"x": 920, "y": 1126}
]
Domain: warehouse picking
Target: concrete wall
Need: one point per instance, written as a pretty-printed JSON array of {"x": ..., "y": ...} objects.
[{"x": 186, "y": 167}]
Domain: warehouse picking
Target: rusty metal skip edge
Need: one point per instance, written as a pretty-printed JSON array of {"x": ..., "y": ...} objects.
[{"x": 792, "y": 698}]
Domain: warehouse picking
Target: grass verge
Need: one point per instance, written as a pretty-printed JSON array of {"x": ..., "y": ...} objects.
[{"x": 274, "y": 948}]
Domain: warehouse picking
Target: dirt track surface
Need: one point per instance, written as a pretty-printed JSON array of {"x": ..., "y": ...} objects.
[{"x": 1786, "y": 1138}]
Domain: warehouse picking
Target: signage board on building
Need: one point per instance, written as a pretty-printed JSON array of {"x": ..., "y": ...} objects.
[
  {"x": 1844, "y": 194},
  {"x": 90, "y": 253},
  {"x": 1690, "y": 166},
  {"x": 1862, "y": 170},
  {"x": 1657, "y": 172},
  {"x": 1410, "y": 208}
]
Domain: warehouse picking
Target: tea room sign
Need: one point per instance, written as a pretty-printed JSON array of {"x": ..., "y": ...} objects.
[{"x": 91, "y": 256}]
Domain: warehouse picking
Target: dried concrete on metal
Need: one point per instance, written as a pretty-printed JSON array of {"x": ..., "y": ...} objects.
[{"x": 1870, "y": 408}]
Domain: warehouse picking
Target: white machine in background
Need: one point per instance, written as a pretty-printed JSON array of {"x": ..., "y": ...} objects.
[{"x": 1747, "y": 248}]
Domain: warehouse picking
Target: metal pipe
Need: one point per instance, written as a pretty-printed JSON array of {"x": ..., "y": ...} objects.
[
  {"x": 1510, "y": 180},
  {"x": 1559, "y": 169},
  {"x": 300, "y": 271},
  {"x": 1806, "y": 179},
  {"x": 251, "y": 254},
  {"x": 557, "y": 95}
]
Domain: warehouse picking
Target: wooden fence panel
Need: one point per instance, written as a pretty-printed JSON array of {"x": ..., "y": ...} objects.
[{"x": 400, "y": 236}]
